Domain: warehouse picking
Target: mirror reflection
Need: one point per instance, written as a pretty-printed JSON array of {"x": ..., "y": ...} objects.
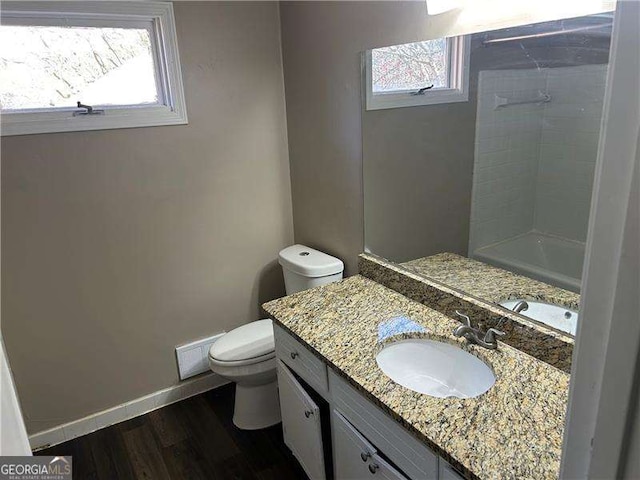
[{"x": 479, "y": 160}]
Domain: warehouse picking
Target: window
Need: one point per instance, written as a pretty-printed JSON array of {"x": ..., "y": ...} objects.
[
  {"x": 68, "y": 66},
  {"x": 421, "y": 73}
]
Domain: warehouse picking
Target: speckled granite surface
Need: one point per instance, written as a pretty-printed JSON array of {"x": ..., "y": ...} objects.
[
  {"x": 487, "y": 282},
  {"x": 514, "y": 431},
  {"x": 536, "y": 339}
]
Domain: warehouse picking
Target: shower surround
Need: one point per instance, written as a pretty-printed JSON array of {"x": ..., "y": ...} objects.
[{"x": 534, "y": 166}]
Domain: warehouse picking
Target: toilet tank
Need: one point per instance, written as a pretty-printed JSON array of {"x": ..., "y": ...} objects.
[{"x": 305, "y": 268}]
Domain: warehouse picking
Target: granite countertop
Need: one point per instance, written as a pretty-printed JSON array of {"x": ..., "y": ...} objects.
[
  {"x": 512, "y": 431},
  {"x": 528, "y": 335},
  {"x": 488, "y": 283}
]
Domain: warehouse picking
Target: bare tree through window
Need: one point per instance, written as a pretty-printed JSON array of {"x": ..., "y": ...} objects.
[
  {"x": 49, "y": 67},
  {"x": 410, "y": 66}
]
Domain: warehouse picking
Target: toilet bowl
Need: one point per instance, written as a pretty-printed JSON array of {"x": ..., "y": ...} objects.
[{"x": 246, "y": 355}]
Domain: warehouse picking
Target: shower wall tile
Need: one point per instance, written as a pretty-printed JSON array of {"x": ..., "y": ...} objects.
[
  {"x": 568, "y": 149},
  {"x": 534, "y": 164},
  {"x": 507, "y": 150}
]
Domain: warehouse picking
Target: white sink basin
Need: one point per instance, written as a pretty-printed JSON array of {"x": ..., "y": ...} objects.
[
  {"x": 555, "y": 316},
  {"x": 435, "y": 368}
]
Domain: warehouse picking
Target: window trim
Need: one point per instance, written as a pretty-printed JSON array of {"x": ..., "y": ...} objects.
[
  {"x": 160, "y": 15},
  {"x": 458, "y": 49}
]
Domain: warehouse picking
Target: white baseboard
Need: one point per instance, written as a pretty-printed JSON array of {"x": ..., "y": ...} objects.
[{"x": 125, "y": 411}]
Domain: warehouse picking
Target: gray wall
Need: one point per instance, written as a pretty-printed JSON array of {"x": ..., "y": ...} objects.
[
  {"x": 418, "y": 167},
  {"x": 322, "y": 44},
  {"x": 631, "y": 466},
  {"x": 119, "y": 245}
]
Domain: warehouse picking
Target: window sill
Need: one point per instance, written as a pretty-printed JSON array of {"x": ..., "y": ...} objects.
[
  {"x": 64, "y": 121},
  {"x": 400, "y": 100}
]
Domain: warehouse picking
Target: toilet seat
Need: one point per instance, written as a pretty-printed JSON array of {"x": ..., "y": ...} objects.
[
  {"x": 246, "y": 345},
  {"x": 241, "y": 363}
]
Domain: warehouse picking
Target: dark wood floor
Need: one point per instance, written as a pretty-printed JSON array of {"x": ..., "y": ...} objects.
[{"x": 191, "y": 439}]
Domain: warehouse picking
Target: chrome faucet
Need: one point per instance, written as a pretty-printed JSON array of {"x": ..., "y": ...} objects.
[
  {"x": 474, "y": 335},
  {"x": 521, "y": 306}
]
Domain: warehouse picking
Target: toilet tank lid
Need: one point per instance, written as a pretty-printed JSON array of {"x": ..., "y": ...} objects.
[{"x": 309, "y": 262}]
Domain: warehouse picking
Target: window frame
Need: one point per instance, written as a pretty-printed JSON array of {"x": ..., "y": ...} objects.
[
  {"x": 458, "y": 51},
  {"x": 171, "y": 109}
]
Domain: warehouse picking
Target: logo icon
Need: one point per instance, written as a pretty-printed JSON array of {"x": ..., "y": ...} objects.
[{"x": 36, "y": 468}]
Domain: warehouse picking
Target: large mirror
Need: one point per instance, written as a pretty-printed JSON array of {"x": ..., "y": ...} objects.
[{"x": 479, "y": 159}]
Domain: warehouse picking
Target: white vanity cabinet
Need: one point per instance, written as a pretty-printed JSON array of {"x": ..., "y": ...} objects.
[
  {"x": 301, "y": 426},
  {"x": 366, "y": 443}
]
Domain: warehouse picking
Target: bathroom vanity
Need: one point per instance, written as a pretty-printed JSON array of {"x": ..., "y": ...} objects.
[{"x": 344, "y": 418}]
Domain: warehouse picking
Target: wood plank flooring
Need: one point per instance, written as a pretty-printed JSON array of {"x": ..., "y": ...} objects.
[{"x": 192, "y": 439}]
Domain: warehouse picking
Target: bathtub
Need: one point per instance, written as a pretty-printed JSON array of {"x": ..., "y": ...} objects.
[
  {"x": 556, "y": 316},
  {"x": 550, "y": 259}
]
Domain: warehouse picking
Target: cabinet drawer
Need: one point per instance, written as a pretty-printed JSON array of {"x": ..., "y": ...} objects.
[
  {"x": 408, "y": 453},
  {"x": 301, "y": 360}
]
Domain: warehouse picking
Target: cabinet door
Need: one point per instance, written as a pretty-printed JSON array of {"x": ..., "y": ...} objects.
[
  {"x": 381, "y": 469},
  {"x": 351, "y": 451},
  {"x": 354, "y": 458},
  {"x": 301, "y": 424}
]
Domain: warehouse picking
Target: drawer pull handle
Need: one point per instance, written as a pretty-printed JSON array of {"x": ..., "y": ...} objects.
[
  {"x": 308, "y": 413},
  {"x": 365, "y": 456},
  {"x": 373, "y": 467},
  {"x": 294, "y": 355}
]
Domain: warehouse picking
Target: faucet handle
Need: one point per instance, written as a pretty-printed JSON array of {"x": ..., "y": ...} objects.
[
  {"x": 490, "y": 336},
  {"x": 465, "y": 318}
]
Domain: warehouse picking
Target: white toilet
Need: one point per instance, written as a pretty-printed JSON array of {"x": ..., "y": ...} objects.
[{"x": 246, "y": 355}]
